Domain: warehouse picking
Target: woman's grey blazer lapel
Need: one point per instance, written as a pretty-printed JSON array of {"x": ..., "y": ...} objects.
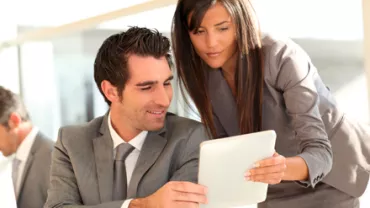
[{"x": 223, "y": 103}]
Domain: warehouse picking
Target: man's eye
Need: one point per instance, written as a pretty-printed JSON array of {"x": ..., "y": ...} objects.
[{"x": 146, "y": 88}]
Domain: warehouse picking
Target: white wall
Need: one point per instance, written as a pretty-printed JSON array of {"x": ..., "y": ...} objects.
[
  {"x": 39, "y": 87},
  {"x": 8, "y": 56}
]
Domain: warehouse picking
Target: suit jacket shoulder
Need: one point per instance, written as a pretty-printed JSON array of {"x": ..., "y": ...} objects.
[
  {"x": 45, "y": 145},
  {"x": 282, "y": 59},
  {"x": 182, "y": 127},
  {"x": 82, "y": 133}
]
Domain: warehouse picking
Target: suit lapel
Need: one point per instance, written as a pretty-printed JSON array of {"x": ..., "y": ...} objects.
[
  {"x": 25, "y": 173},
  {"x": 103, "y": 150},
  {"x": 152, "y": 148},
  {"x": 223, "y": 102},
  {"x": 35, "y": 146}
]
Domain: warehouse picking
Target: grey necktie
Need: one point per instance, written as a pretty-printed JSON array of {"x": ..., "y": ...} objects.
[
  {"x": 120, "y": 177},
  {"x": 15, "y": 167}
]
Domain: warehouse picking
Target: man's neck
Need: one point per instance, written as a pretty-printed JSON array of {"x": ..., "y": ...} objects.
[
  {"x": 121, "y": 127},
  {"x": 24, "y": 129}
]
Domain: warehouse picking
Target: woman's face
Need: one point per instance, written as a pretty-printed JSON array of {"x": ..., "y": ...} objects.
[{"x": 215, "y": 39}]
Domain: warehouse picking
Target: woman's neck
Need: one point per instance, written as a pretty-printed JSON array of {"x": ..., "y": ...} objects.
[
  {"x": 229, "y": 67},
  {"x": 228, "y": 70}
]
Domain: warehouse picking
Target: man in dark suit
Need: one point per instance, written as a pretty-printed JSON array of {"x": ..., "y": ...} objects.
[
  {"x": 137, "y": 155},
  {"x": 30, "y": 151}
]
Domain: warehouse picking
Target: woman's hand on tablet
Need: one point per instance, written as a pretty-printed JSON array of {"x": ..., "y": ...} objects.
[{"x": 270, "y": 170}]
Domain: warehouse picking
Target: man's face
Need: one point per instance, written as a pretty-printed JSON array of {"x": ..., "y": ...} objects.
[
  {"x": 147, "y": 94},
  {"x": 8, "y": 141}
]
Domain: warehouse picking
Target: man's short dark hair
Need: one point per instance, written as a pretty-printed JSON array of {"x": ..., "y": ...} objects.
[
  {"x": 11, "y": 103},
  {"x": 111, "y": 62}
]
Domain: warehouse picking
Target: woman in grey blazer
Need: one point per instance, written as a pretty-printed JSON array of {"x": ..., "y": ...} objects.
[{"x": 241, "y": 82}]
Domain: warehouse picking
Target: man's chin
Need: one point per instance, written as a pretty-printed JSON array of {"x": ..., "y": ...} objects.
[
  {"x": 6, "y": 154},
  {"x": 156, "y": 126}
]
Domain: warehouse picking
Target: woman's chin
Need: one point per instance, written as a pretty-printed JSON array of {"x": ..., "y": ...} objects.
[{"x": 214, "y": 65}]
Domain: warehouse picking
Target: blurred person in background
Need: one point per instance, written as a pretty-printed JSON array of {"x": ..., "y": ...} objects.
[{"x": 28, "y": 148}]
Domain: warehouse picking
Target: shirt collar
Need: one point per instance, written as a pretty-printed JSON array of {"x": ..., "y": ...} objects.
[
  {"x": 136, "y": 142},
  {"x": 26, "y": 145}
]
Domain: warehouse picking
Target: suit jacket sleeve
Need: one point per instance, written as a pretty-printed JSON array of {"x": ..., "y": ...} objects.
[
  {"x": 63, "y": 190},
  {"x": 294, "y": 78},
  {"x": 187, "y": 168}
]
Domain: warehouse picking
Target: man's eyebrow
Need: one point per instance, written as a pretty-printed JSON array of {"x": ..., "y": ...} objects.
[
  {"x": 146, "y": 83},
  {"x": 152, "y": 82}
]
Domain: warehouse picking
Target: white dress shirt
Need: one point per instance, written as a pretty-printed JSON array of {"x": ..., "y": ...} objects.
[
  {"x": 22, "y": 154},
  {"x": 131, "y": 159},
  {"x": 7, "y": 197}
]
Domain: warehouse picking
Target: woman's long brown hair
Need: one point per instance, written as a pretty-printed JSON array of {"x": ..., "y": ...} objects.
[{"x": 193, "y": 71}]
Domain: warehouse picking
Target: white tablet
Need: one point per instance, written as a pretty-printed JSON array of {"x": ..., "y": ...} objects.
[{"x": 223, "y": 163}]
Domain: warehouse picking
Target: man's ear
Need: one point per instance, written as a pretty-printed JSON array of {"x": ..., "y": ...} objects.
[
  {"x": 110, "y": 91},
  {"x": 14, "y": 120}
]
